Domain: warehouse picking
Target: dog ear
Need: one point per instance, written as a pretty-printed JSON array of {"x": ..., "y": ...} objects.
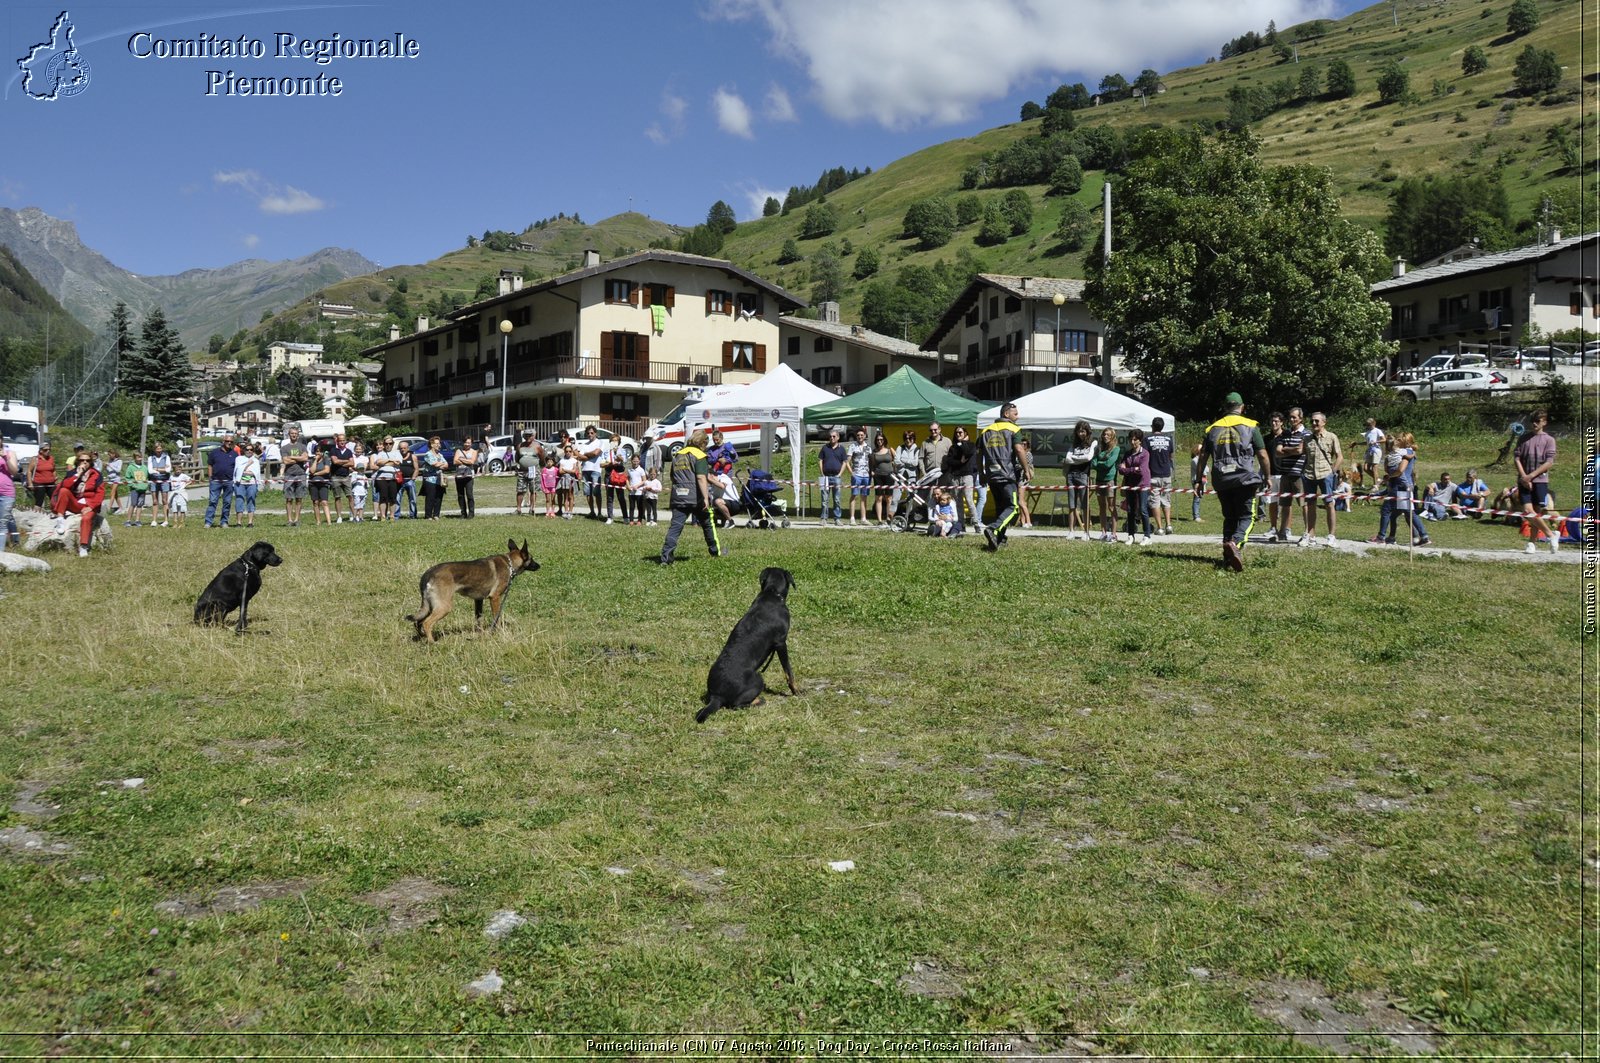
[
  {"x": 511, "y": 546},
  {"x": 525, "y": 548},
  {"x": 788, "y": 577}
]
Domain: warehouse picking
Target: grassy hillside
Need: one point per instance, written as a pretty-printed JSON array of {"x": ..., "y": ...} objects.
[
  {"x": 556, "y": 247},
  {"x": 1470, "y": 126},
  {"x": 26, "y": 308},
  {"x": 1453, "y": 124}
]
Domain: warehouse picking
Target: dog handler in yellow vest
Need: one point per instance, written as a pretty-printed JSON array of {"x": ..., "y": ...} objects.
[
  {"x": 691, "y": 497},
  {"x": 1239, "y": 466},
  {"x": 1000, "y": 449}
]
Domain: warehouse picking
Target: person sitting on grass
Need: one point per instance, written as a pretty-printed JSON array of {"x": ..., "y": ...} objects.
[
  {"x": 945, "y": 522},
  {"x": 1439, "y": 501},
  {"x": 1472, "y": 495}
]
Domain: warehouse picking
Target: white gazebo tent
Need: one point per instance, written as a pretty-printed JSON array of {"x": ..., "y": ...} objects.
[
  {"x": 1063, "y": 406},
  {"x": 779, "y": 397}
]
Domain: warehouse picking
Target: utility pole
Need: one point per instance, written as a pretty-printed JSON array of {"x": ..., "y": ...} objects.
[{"x": 1105, "y": 351}]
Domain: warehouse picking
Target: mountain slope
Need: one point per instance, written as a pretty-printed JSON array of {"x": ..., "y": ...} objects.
[
  {"x": 1453, "y": 125},
  {"x": 30, "y": 313},
  {"x": 197, "y": 302}
]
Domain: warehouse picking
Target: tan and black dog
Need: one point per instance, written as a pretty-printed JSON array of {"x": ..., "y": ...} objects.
[{"x": 487, "y": 577}]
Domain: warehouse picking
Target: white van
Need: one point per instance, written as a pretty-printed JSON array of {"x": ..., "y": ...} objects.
[
  {"x": 23, "y": 428},
  {"x": 670, "y": 433}
]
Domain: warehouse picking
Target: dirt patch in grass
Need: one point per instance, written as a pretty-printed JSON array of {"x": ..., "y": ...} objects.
[
  {"x": 1307, "y": 1009},
  {"x": 230, "y": 900},
  {"x": 705, "y": 883},
  {"x": 20, "y": 841},
  {"x": 929, "y": 978},
  {"x": 260, "y": 748},
  {"x": 1365, "y": 802},
  {"x": 411, "y": 902},
  {"x": 27, "y": 802}
]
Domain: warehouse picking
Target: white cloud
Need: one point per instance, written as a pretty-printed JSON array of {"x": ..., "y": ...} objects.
[
  {"x": 270, "y": 198},
  {"x": 733, "y": 114},
  {"x": 673, "y": 110},
  {"x": 290, "y": 201},
  {"x": 756, "y": 196},
  {"x": 778, "y": 108},
  {"x": 250, "y": 240},
  {"x": 903, "y": 63}
]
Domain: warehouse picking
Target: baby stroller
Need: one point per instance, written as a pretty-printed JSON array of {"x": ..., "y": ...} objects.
[
  {"x": 915, "y": 496},
  {"x": 759, "y": 497}
]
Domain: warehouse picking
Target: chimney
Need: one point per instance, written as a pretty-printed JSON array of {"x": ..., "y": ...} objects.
[
  {"x": 394, "y": 333},
  {"x": 591, "y": 257},
  {"x": 510, "y": 281},
  {"x": 830, "y": 312},
  {"x": 1555, "y": 234},
  {"x": 422, "y": 324},
  {"x": 1025, "y": 281},
  {"x": 1399, "y": 267}
]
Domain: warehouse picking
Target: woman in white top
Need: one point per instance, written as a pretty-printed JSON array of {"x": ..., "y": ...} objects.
[
  {"x": 466, "y": 470},
  {"x": 246, "y": 482},
  {"x": 386, "y": 478}
]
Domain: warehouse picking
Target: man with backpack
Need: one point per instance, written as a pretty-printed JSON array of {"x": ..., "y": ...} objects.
[{"x": 1238, "y": 458}]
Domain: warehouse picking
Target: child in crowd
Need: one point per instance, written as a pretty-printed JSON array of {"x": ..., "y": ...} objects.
[
  {"x": 137, "y": 476},
  {"x": 635, "y": 491},
  {"x": 549, "y": 477},
  {"x": 649, "y": 493},
  {"x": 178, "y": 504},
  {"x": 358, "y": 496},
  {"x": 945, "y": 523},
  {"x": 1343, "y": 490}
]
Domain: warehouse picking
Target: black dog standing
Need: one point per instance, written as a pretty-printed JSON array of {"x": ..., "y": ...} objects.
[
  {"x": 234, "y": 586},
  {"x": 735, "y": 680}
]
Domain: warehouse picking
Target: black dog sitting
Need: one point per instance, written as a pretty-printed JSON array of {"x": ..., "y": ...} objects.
[
  {"x": 735, "y": 680},
  {"x": 234, "y": 586}
]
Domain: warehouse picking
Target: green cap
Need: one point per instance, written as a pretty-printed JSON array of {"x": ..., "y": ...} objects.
[{"x": 1233, "y": 398}]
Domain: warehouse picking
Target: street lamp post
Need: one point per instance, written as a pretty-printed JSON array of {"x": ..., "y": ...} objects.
[
  {"x": 505, "y": 345},
  {"x": 1058, "y": 299}
]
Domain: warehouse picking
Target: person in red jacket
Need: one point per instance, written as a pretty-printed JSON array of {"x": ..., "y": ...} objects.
[{"x": 81, "y": 492}]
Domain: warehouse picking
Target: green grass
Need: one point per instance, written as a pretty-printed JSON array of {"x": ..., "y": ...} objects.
[{"x": 1069, "y": 778}]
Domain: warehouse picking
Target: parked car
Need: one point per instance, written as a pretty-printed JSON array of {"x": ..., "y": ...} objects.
[
  {"x": 1439, "y": 363},
  {"x": 1453, "y": 382},
  {"x": 630, "y": 445},
  {"x": 1543, "y": 356}
]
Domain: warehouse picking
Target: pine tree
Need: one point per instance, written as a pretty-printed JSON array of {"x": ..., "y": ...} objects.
[
  {"x": 159, "y": 370},
  {"x": 721, "y": 218},
  {"x": 299, "y": 400}
]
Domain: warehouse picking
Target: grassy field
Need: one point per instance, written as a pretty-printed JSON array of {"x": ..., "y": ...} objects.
[{"x": 1092, "y": 797}]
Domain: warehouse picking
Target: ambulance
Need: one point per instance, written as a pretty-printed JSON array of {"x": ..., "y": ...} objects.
[
  {"x": 22, "y": 427},
  {"x": 670, "y": 433}
]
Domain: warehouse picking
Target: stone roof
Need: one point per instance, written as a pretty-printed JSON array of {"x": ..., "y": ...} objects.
[
  {"x": 859, "y": 335},
  {"x": 1479, "y": 264},
  {"x": 1044, "y": 288}
]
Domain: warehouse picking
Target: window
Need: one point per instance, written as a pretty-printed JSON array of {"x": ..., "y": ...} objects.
[
  {"x": 879, "y": 372},
  {"x": 751, "y": 305},
  {"x": 619, "y": 291},
  {"x": 994, "y": 307},
  {"x": 522, "y": 317},
  {"x": 624, "y": 356},
  {"x": 449, "y": 341},
  {"x": 794, "y": 346},
  {"x": 823, "y": 343},
  {"x": 719, "y": 302},
  {"x": 972, "y": 315},
  {"x": 1575, "y": 304},
  {"x": 1073, "y": 340},
  {"x": 556, "y": 407},
  {"x": 624, "y": 405},
  {"x": 661, "y": 295},
  {"x": 825, "y": 376},
  {"x": 1013, "y": 304},
  {"x": 748, "y": 357},
  {"x": 1453, "y": 309}
]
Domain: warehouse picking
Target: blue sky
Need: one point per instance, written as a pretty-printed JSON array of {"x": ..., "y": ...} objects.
[{"x": 511, "y": 112}]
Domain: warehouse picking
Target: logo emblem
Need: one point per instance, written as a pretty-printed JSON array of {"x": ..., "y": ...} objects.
[{"x": 55, "y": 69}]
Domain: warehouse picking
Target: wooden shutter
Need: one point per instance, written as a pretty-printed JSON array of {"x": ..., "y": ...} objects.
[
  {"x": 671, "y": 295},
  {"x": 730, "y": 304},
  {"x": 709, "y": 293},
  {"x": 1091, "y": 342},
  {"x": 761, "y": 357},
  {"x": 608, "y": 346},
  {"x": 641, "y": 360},
  {"x": 727, "y": 354}
]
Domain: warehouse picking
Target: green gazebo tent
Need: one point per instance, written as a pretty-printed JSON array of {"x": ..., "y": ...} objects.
[{"x": 903, "y": 397}]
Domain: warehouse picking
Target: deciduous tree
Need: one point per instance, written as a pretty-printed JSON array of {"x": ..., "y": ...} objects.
[
  {"x": 1474, "y": 60},
  {"x": 1523, "y": 17},
  {"x": 1341, "y": 80},
  {"x": 1231, "y": 275},
  {"x": 1537, "y": 70}
]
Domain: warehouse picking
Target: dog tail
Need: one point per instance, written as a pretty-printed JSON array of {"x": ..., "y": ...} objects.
[{"x": 713, "y": 703}]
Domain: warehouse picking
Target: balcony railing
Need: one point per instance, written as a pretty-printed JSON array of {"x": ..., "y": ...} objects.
[
  {"x": 596, "y": 369},
  {"x": 1012, "y": 361}
]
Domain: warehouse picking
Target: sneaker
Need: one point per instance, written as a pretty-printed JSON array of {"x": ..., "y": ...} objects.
[
  {"x": 988, "y": 537},
  {"x": 1530, "y": 549},
  {"x": 608, "y": 520},
  {"x": 1330, "y": 539},
  {"x": 1304, "y": 540},
  {"x": 127, "y": 524},
  {"x": 83, "y": 551},
  {"x": 1555, "y": 544},
  {"x": 1424, "y": 541},
  {"x": 1231, "y": 555},
  {"x": 1376, "y": 540},
  {"x": 1272, "y": 536}
]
